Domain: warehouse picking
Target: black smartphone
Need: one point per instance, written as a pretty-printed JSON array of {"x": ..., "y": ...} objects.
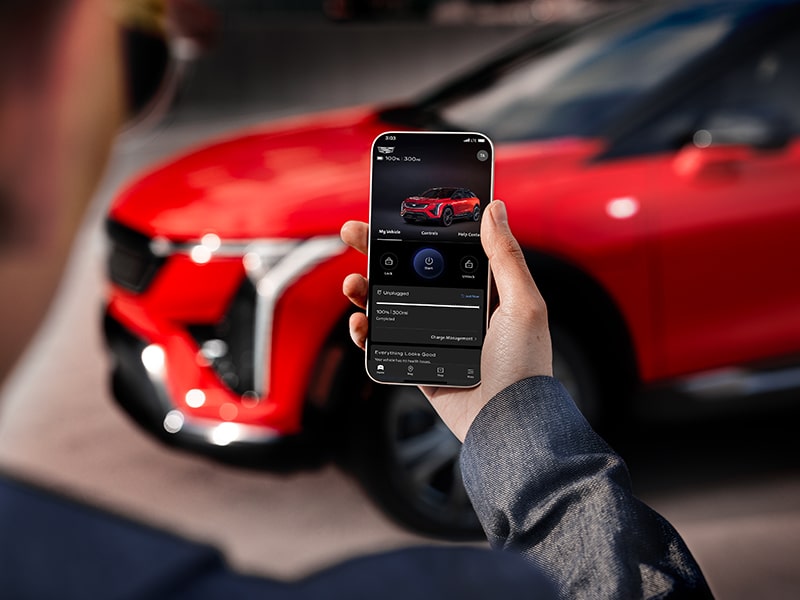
[{"x": 428, "y": 274}]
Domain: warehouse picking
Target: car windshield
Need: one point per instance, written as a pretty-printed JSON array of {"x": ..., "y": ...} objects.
[
  {"x": 578, "y": 84},
  {"x": 438, "y": 193}
]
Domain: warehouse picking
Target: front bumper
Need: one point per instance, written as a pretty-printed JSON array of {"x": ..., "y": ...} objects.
[
  {"x": 219, "y": 352},
  {"x": 143, "y": 395},
  {"x": 418, "y": 214}
]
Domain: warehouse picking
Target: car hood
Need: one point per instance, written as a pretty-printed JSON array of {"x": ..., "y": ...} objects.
[{"x": 297, "y": 179}]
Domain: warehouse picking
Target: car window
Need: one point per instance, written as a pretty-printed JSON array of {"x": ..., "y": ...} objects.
[
  {"x": 764, "y": 86},
  {"x": 767, "y": 83},
  {"x": 577, "y": 89},
  {"x": 438, "y": 193}
]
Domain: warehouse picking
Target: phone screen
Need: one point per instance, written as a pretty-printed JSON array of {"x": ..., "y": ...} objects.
[{"x": 428, "y": 273}]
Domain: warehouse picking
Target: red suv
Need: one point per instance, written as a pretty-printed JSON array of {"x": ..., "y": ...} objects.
[
  {"x": 443, "y": 205},
  {"x": 651, "y": 168}
]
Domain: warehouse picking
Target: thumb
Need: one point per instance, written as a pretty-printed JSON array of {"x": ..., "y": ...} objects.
[{"x": 510, "y": 272}]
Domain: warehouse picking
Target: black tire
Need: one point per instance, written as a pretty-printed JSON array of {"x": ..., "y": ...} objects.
[
  {"x": 407, "y": 461},
  {"x": 573, "y": 369},
  {"x": 447, "y": 216},
  {"x": 476, "y": 213}
]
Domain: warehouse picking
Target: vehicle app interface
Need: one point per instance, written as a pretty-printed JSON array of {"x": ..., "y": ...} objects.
[{"x": 427, "y": 270}]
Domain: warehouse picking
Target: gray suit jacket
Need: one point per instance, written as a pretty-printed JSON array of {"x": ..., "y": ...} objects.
[{"x": 545, "y": 485}]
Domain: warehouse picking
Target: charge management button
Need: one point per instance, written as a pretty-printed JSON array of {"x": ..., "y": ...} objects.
[{"x": 428, "y": 263}]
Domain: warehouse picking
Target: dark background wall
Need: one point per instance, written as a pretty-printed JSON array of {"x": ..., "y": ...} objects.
[{"x": 267, "y": 64}]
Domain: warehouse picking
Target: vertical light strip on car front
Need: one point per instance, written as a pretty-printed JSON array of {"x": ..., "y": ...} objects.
[{"x": 270, "y": 281}]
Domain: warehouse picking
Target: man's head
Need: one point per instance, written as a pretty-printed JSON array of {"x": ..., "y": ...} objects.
[
  {"x": 61, "y": 102},
  {"x": 71, "y": 72}
]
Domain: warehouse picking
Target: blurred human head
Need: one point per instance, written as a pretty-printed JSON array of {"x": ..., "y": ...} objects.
[
  {"x": 71, "y": 73},
  {"x": 61, "y": 102}
]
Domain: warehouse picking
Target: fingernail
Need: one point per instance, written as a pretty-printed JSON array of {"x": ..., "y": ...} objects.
[{"x": 499, "y": 213}]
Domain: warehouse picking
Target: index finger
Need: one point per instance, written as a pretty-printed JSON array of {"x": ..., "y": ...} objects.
[{"x": 355, "y": 234}]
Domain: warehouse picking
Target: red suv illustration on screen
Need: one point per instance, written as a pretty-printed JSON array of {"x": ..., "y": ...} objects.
[
  {"x": 650, "y": 164},
  {"x": 443, "y": 205}
]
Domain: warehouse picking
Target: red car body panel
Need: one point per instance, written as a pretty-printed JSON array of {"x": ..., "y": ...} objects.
[
  {"x": 738, "y": 209},
  {"x": 269, "y": 183},
  {"x": 553, "y": 212}
]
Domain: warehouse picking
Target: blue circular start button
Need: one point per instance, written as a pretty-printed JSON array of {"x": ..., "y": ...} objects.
[{"x": 428, "y": 263}]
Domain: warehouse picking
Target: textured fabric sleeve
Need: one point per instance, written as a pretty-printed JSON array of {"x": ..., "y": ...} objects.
[{"x": 544, "y": 484}]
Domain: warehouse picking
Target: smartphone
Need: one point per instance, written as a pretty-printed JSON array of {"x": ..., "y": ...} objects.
[{"x": 427, "y": 303}]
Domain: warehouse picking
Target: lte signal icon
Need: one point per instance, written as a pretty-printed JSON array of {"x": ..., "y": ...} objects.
[{"x": 468, "y": 140}]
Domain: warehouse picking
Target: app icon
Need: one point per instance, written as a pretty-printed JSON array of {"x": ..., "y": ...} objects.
[
  {"x": 469, "y": 264},
  {"x": 388, "y": 261},
  {"x": 429, "y": 263}
]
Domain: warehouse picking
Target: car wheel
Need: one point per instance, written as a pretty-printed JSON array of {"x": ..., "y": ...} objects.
[
  {"x": 572, "y": 368},
  {"x": 447, "y": 216},
  {"x": 476, "y": 214},
  {"x": 407, "y": 460}
]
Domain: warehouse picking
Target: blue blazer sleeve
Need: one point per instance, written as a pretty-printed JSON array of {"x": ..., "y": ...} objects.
[{"x": 544, "y": 484}]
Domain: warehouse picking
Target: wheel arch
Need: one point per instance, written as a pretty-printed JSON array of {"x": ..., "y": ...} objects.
[{"x": 580, "y": 304}]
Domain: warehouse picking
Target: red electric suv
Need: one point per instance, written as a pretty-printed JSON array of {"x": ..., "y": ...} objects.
[
  {"x": 651, "y": 168},
  {"x": 441, "y": 205}
]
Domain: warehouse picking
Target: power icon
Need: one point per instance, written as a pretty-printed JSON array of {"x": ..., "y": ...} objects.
[{"x": 428, "y": 263}]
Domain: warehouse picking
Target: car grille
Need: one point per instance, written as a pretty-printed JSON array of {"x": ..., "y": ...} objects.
[
  {"x": 229, "y": 344},
  {"x": 131, "y": 262},
  {"x": 415, "y": 205}
]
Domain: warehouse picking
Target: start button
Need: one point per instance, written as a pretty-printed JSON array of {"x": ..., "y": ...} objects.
[{"x": 429, "y": 263}]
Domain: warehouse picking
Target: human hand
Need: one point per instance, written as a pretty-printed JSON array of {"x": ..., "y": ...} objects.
[{"x": 517, "y": 343}]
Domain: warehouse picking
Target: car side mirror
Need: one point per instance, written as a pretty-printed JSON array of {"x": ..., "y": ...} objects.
[
  {"x": 726, "y": 140},
  {"x": 743, "y": 128}
]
